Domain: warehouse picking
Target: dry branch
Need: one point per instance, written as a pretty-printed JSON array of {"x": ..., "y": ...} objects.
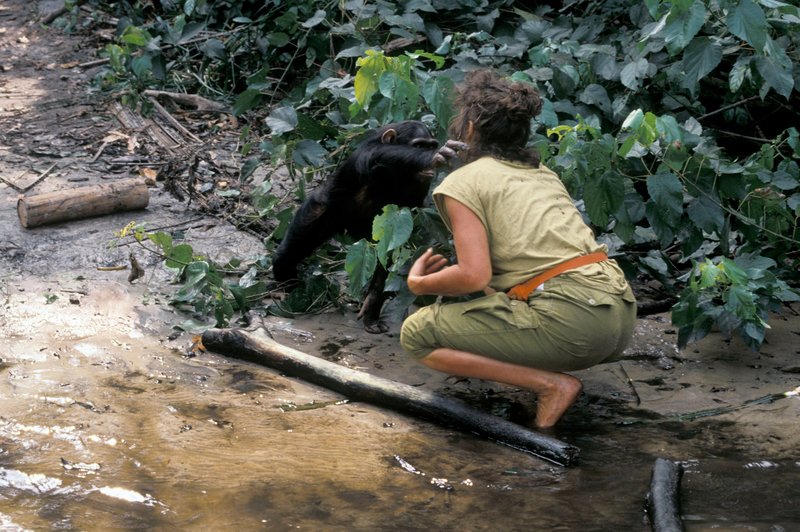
[
  {"x": 192, "y": 100},
  {"x": 361, "y": 386}
]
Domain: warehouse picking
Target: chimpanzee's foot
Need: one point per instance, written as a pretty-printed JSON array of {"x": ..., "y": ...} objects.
[{"x": 375, "y": 327}]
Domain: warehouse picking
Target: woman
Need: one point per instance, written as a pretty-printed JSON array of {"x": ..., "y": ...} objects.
[{"x": 512, "y": 220}]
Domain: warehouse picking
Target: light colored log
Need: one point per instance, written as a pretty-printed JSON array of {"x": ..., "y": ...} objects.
[
  {"x": 361, "y": 386},
  {"x": 82, "y": 202}
]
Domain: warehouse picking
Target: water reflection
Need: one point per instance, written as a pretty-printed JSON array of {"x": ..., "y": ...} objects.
[{"x": 122, "y": 432}]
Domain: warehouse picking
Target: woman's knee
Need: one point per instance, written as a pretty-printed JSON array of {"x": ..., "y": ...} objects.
[{"x": 412, "y": 339}]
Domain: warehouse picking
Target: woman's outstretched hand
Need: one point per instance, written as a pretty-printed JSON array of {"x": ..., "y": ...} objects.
[{"x": 427, "y": 263}]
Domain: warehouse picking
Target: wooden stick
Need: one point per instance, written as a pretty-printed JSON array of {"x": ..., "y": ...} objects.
[
  {"x": 193, "y": 100},
  {"x": 82, "y": 202},
  {"x": 361, "y": 386},
  {"x": 663, "y": 499},
  {"x": 174, "y": 121}
]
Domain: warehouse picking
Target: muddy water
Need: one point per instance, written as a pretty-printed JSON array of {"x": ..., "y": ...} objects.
[{"x": 105, "y": 424}]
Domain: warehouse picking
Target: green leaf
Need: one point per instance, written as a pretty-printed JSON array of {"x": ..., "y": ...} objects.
[
  {"x": 692, "y": 321},
  {"x": 248, "y": 99},
  {"x": 707, "y": 214},
  {"x": 777, "y": 73},
  {"x": 360, "y": 265},
  {"x": 669, "y": 129},
  {"x": 135, "y": 35},
  {"x": 282, "y": 120},
  {"x": 595, "y": 94},
  {"x": 667, "y": 192},
  {"x": 141, "y": 65},
  {"x": 370, "y": 68},
  {"x": 278, "y": 39},
  {"x": 214, "y": 49},
  {"x": 391, "y": 229},
  {"x": 740, "y": 302},
  {"x": 196, "y": 277},
  {"x": 739, "y": 72},
  {"x": 162, "y": 240},
  {"x": 748, "y": 22},
  {"x": 603, "y": 196},
  {"x": 179, "y": 256},
  {"x": 633, "y": 73},
  {"x": 403, "y": 93},
  {"x": 665, "y": 207},
  {"x": 318, "y": 18},
  {"x": 438, "y": 94},
  {"x": 309, "y": 153},
  {"x": 700, "y": 58},
  {"x": 682, "y": 24}
]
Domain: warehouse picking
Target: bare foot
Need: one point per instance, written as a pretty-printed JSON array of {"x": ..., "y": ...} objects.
[{"x": 552, "y": 404}]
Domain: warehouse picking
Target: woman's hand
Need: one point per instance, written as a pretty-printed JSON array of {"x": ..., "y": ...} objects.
[{"x": 426, "y": 264}]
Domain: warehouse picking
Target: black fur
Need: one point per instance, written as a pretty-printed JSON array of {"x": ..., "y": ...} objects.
[{"x": 391, "y": 166}]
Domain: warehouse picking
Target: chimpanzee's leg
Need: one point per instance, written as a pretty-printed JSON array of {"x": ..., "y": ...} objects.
[
  {"x": 373, "y": 302},
  {"x": 315, "y": 223}
]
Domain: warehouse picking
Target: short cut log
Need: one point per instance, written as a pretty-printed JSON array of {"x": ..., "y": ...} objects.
[
  {"x": 663, "y": 499},
  {"x": 361, "y": 386},
  {"x": 82, "y": 202}
]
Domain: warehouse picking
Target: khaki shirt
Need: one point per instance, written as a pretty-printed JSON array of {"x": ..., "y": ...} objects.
[{"x": 531, "y": 222}]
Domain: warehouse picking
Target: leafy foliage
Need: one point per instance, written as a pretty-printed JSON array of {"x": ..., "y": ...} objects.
[{"x": 673, "y": 123}]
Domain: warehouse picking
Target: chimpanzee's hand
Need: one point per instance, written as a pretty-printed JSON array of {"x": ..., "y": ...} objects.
[{"x": 448, "y": 151}]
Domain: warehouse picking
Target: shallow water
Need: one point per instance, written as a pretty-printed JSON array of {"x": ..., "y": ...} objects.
[{"x": 106, "y": 425}]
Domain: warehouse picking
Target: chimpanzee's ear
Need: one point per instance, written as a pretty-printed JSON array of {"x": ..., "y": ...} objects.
[{"x": 388, "y": 136}]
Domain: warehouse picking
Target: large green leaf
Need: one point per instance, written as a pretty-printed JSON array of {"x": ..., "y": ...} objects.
[
  {"x": 309, "y": 153},
  {"x": 667, "y": 192},
  {"x": 683, "y": 22},
  {"x": 707, "y": 214},
  {"x": 391, "y": 229},
  {"x": 665, "y": 207},
  {"x": 603, "y": 196},
  {"x": 777, "y": 73},
  {"x": 360, "y": 265},
  {"x": 633, "y": 73},
  {"x": 281, "y": 119},
  {"x": 748, "y": 22},
  {"x": 700, "y": 58}
]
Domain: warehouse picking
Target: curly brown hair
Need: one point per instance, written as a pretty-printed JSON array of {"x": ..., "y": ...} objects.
[{"x": 500, "y": 111}]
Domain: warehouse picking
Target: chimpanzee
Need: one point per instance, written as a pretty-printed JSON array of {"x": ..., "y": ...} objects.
[{"x": 394, "y": 164}]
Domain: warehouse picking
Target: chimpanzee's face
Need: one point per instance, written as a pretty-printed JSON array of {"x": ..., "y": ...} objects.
[{"x": 410, "y": 132}]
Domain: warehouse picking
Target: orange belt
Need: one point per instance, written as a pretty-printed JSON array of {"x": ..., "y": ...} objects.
[{"x": 523, "y": 290}]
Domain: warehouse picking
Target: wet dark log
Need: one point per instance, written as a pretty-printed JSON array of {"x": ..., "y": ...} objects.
[
  {"x": 82, "y": 202},
  {"x": 663, "y": 499},
  {"x": 361, "y": 386}
]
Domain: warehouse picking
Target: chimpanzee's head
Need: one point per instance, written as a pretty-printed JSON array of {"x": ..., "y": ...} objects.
[{"x": 412, "y": 132}]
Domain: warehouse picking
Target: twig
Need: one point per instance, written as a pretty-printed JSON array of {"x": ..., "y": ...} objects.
[
  {"x": 630, "y": 383},
  {"x": 193, "y": 100},
  {"x": 22, "y": 190},
  {"x": 12, "y": 185},
  {"x": 746, "y": 137},
  {"x": 96, "y": 62},
  {"x": 172, "y": 120},
  {"x": 40, "y": 178},
  {"x": 726, "y": 107}
]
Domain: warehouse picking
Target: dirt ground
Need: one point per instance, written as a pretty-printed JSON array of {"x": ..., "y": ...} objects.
[{"x": 56, "y": 133}]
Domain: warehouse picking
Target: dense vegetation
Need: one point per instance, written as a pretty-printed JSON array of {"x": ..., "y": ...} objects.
[{"x": 673, "y": 124}]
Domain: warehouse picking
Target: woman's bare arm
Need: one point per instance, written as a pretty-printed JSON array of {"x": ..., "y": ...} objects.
[{"x": 472, "y": 273}]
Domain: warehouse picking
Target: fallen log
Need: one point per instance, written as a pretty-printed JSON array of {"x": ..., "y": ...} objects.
[
  {"x": 663, "y": 499},
  {"x": 361, "y": 386},
  {"x": 82, "y": 202}
]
